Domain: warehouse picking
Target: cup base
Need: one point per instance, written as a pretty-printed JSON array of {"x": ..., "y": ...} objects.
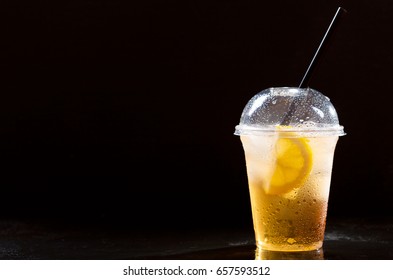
[
  {"x": 287, "y": 247},
  {"x": 261, "y": 254}
]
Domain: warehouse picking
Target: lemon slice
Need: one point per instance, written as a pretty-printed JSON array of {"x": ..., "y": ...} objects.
[{"x": 293, "y": 165}]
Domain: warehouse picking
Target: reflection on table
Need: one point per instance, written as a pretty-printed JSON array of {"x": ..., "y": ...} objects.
[{"x": 276, "y": 255}]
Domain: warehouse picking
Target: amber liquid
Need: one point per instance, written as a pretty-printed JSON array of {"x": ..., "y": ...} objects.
[{"x": 292, "y": 221}]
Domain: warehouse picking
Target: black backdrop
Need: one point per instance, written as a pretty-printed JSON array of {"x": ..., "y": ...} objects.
[{"x": 122, "y": 113}]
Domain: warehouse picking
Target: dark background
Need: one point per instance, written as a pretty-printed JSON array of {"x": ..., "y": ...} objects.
[{"x": 122, "y": 113}]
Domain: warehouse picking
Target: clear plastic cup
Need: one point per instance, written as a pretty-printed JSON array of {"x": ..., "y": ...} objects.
[{"x": 289, "y": 137}]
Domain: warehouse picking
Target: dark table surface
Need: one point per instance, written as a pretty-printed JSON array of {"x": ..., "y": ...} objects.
[{"x": 355, "y": 239}]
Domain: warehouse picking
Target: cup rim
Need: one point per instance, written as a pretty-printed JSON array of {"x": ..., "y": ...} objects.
[{"x": 290, "y": 132}]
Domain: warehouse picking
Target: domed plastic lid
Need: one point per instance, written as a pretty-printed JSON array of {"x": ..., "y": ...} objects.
[{"x": 303, "y": 110}]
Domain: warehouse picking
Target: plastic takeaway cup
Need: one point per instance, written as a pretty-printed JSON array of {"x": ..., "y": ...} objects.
[{"x": 289, "y": 166}]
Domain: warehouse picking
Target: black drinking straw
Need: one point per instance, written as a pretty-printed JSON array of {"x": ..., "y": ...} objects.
[
  {"x": 333, "y": 23},
  {"x": 312, "y": 65}
]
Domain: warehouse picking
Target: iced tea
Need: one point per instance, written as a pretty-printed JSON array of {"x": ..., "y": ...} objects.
[{"x": 289, "y": 215}]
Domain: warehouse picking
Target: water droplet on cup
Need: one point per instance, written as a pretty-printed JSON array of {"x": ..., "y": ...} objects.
[{"x": 291, "y": 241}]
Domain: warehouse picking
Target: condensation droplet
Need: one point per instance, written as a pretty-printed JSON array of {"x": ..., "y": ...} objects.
[{"x": 291, "y": 241}]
